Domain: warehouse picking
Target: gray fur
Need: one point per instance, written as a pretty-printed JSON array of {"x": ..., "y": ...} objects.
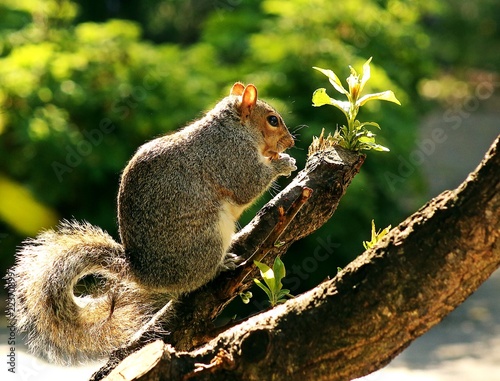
[{"x": 179, "y": 198}]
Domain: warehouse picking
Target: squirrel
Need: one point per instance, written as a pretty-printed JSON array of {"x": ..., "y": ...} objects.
[{"x": 179, "y": 200}]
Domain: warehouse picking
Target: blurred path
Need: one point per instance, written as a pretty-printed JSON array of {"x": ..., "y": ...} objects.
[{"x": 465, "y": 346}]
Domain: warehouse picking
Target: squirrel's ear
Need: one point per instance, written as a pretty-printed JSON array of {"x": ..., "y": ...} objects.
[
  {"x": 237, "y": 89},
  {"x": 248, "y": 102}
]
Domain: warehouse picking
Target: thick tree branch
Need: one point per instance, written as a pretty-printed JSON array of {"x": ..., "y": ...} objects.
[{"x": 357, "y": 322}]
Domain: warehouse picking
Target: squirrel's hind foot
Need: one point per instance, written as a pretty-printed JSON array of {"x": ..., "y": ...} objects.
[{"x": 231, "y": 261}]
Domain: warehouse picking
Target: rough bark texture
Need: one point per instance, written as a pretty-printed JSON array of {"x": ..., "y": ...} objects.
[{"x": 357, "y": 322}]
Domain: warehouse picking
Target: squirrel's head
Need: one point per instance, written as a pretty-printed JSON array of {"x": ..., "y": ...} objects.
[{"x": 264, "y": 119}]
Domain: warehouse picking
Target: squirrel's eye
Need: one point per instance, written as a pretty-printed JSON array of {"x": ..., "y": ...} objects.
[{"x": 273, "y": 120}]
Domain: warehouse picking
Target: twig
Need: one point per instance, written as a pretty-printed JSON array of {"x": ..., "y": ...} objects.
[{"x": 284, "y": 219}]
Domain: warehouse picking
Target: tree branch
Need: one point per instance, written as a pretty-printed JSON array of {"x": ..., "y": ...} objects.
[{"x": 357, "y": 322}]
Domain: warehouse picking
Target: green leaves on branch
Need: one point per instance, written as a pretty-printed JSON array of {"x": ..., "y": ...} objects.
[
  {"x": 354, "y": 136},
  {"x": 246, "y": 296},
  {"x": 376, "y": 236},
  {"x": 272, "y": 285}
]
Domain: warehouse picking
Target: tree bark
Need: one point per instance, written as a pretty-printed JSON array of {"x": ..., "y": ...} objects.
[{"x": 360, "y": 320}]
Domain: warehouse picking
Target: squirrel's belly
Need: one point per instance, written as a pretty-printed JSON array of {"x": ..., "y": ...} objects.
[
  {"x": 228, "y": 215},
  {"x": 226, "y": 225}
]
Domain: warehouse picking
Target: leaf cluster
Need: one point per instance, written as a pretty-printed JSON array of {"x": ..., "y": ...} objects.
[
  {"x": 354, "y": 135},
  {"x": 272, "y": 285},
  {"x": 376, "y": 236}
]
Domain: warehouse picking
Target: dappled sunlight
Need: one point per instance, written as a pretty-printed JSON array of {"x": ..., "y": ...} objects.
[{"x": 20, "y": 210}]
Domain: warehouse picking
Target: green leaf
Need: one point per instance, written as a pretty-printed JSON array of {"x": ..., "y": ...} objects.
[
  {"x": 262, "y": 267},
  {"x": 369, "y": 124},
  {"x": 284, "y": 292},
  {"x": 383, "y": 96},
  {"x": 265, "y": 288},
  {"x": 268, "y": 275},
  {"x": 383, "y": 233},
  {"x": 334, "y": 80},
  {"x": 321, "y": 98},
  {"x": 367, "y": 139},
  {"x": 368, "y": 146},
  {"x": 279, "y": 274},
  {"x": 378, "y": 147},
  {"x": 366, "y": 74},
  {"x": 342, "y": 106},
  {"x": 279, "y": 270}
]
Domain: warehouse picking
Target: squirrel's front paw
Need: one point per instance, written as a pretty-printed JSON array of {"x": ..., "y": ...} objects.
[{"x": 285, "y": 164}]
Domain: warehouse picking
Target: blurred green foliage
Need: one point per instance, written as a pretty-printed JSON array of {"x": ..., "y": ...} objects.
[{"x": 83, "y": 85}]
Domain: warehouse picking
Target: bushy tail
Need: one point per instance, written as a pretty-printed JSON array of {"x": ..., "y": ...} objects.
[{"x": 66, "y": 327}]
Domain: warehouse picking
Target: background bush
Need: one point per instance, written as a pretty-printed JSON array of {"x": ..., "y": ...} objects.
[{"x": 83, "y": 84}]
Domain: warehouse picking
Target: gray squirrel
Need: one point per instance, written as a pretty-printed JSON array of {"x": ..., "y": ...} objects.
[{"x": 179, "y": 199}]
